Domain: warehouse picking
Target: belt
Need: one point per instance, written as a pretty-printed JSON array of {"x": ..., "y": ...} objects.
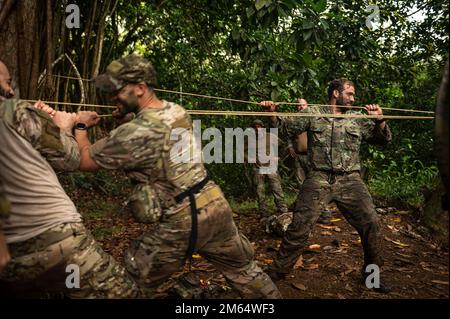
[
  {"x": 332, "y": 175},
  {"x": 45, "y": 239},
  {"x": 194, "y": 211}
]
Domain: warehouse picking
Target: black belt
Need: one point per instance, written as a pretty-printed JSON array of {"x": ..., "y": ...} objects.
[{"x": 194, "y": 211}]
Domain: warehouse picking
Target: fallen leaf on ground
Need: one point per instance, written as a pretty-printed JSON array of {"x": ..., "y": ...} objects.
[
  {"x": 326, "y": 233},
  {"x": 196, "y": 256},
  {"x": 398, "y": 243},
  {"x": 337, "y": 229},
  {"x": 403, "y": 255},
  {"x": 335, "y": 220},
  {"x": 326, "y": 227},
  {"x": 299, "y": 262},
  {"x": 268, "y": 261},
  {"x": 315, "y": 246},
  {"x": 299, "y": 286},
  {"x": 440, "y": 282}
]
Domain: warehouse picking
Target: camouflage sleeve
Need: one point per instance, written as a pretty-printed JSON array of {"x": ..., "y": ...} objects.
[
  {"x": 373, "y": 134},
  {"x": 37, "y": 127},
  {"x": 131, "y": 146},
  {"x": 297, "y": 126},
  {"x": 282, "y": 123},
  {"x": 275, "y": 121}
]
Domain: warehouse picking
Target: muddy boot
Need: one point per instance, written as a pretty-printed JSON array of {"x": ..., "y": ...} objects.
[
  {"x": 275, "y": 275},
  {"x": 278, "y": 224}
]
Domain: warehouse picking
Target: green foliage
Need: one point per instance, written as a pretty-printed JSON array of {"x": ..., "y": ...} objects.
[
  {"x": 404, "y": 183},
  {"x": 400, "y": 178},
  {"x": 102, "y": 232},
  {"x": 285, "y": 49},
  {"x": 102, "y": 181}
]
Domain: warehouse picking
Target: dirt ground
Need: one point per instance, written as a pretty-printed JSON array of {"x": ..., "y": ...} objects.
[{"x": 329, "y": 268}]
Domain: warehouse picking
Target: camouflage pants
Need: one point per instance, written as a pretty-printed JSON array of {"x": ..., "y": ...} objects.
[
  {"x": 354, "y": 202},
  {"x": 277, "y": 191},
  {"x": 155, "y": 256},
  {"x": 38, "y": 266},
  {"x": 300, "y": 168}
]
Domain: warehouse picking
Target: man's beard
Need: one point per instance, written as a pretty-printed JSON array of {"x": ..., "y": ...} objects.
[
  {"x": 128, "y": 105},
  {"x": 5, "y": 94},
  {"x": 340, "y": 102}
]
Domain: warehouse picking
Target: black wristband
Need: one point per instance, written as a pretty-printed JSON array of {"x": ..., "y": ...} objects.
[{"x": 81, "y": 126}]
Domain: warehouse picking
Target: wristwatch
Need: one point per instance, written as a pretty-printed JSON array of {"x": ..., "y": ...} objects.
[
  {"x": 81, "y": 126},
  {"x": 380, "y": 120}
]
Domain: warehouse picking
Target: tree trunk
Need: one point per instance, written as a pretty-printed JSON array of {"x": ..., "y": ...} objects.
[{"x": 441, "y": 129}]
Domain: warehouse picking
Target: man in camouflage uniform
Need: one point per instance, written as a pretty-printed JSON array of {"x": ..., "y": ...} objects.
[
  {"x": 259, "y": 176},
  {"x": 143, "y": 200},
  {"x": 44, "y": 232},
  {"x": 333, "y": 152},
  {"x": 155, "y": 149},
  {"x": 297, "y": 147}
]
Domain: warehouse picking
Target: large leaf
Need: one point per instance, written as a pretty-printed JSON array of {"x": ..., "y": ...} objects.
[
  {"x": 320, "y": 5},
  {"x": 259, "y": 4}
]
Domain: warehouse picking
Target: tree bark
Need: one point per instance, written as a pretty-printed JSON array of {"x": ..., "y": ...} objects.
[{"x": 49, "y": 49}]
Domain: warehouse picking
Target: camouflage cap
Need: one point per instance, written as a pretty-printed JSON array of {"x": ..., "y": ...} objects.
[
  {"x": 258, "y": 122},
  {"x": 130, "y": 69}
]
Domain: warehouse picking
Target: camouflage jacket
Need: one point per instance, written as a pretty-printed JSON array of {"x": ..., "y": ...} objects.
[
  {"x": 296, "y": 142},
  {"x": 157, "y": 148},
  {"x": 59, "y": 148},
  {"x": 334, "y": 143}
]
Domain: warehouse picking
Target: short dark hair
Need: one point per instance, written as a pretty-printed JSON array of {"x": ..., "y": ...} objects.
[{"x": 338, "y": 84}]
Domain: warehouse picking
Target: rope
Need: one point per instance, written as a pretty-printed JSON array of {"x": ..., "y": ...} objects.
[
  {"x": 74, "y": 104},
  {"x": 257, "y": 103},
  {"x": 254, "y": 113}
]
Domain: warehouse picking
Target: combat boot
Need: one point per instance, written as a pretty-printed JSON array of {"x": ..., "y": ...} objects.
[{"x": 275, "y": 275}]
